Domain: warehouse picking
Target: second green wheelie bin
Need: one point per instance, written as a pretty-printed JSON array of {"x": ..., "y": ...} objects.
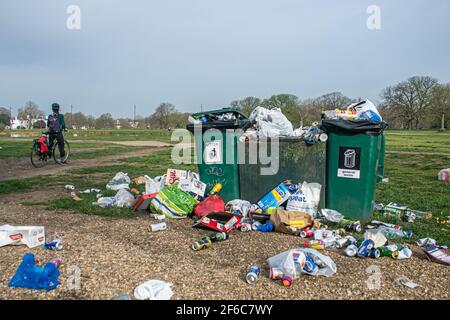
[
  {"x": 216, "y": 134},
  {"x": 355, "y": 162}
]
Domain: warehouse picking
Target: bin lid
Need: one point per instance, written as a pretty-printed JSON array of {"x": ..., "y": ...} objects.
[{"x": 354, "y": 126}]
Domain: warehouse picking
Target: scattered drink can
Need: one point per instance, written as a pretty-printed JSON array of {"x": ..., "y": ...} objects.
[
  {"x": 351, "y": 225},
  {"x": 314, "y": 244},
  {"x": 54, "y": 245},
  {"x": 201, "y": 244},
  {"x": 158, "y": 216},
  {"x": 255, "y": 225},
  {"x": 69, "y": 187},
  {"x": 276, "y": 274},
  {"x": 268, "y": 227},
  {"x": 306, "y": 233},
  {"x": 158, "y": 226},
  {"x": 246, "y": 227},
  {"x": 56, "y": 261},
  {"x": 351, "y": 250},
  {"x": 365, "y": 249},
  {"x": 219, "y": 236},
  {"x": 286, "y": 281},
  {"x": 252, "y": 275},
  {"x": 375, "y": 253},
  {"x": 340, "y": 243}
]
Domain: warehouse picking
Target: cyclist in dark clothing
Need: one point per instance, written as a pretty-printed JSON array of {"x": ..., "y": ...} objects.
[{"x": 56, "y": 126}]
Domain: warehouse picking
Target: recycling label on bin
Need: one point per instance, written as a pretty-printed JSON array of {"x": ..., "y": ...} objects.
[
  {"x": 213, "y": 152},
  {"x": 349, "y": 162}
]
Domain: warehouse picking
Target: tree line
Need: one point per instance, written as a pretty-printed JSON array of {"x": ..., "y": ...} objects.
[{"x": 420, "y": 102}]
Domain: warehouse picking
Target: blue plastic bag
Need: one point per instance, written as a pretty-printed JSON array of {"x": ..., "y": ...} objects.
[{"x": 30, "y": 276}]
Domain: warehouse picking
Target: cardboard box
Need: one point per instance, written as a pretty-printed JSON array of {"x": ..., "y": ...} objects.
[
  {"x": 31, "y": 236},
  {"x": 275, "y": 198},
  {"x": 283, "y": 219},
  {"x": 219, "y": 221},
  {"x": 174, "y": 175}
]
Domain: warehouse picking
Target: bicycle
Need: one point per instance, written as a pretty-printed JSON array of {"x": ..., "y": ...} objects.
[{"x": 39, "y": 158}]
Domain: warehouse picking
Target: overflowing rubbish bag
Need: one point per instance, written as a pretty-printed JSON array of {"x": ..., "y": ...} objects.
[
  {"x": 173, "y": 202},
  {"x": 305, "y": 199},
  {"x": 354, "y": 126},
  {"x": 271, "y": 123},
  {"x": 120, "y": 181},
  {"x": 31, "y": 236},
  {"x": 363, "y": 110},
  {"x": 153, "y": 290},
  {"x": 300, "y": 261},
  {"x": 31, "y": 276}
]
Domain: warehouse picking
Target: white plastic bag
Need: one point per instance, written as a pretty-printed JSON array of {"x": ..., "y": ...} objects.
[
  {"x": 305, "y": 199},
  {"x": 291, "y": 262},
  {"x": 123, "y": 199},
  {"x": 366, "y": 110},
  {"x": 120, "y": 181},
  {"x": 154, "y": 185},
  {"x": 377, "y": 236},
  {"x": 330, "y": 215},
  {"x": 238, "y": 206},
  {"x": 271, "y": 123},
  {"x": 153, "y": 290}
]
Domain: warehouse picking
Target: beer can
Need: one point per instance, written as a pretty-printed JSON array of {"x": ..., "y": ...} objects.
[
  {"x": 366, "y": 248},
  {"x": 340, "y": 243},
  {"x": 255, "y": 225},
  {"x": 351, "y": 250},
  {"x": 306, "y": 233},
  {"x": 246, "y": 227},
  {"x": 276, "y": 274},
  {"x": 286, "y": 281},
  {"x": 375, "y": 253},
  {"x": 252, "y": 275},
  {"x": 340, "y": 232},
  {"x": 314, "y": 244},
  {"x": 219, "y": 236},
  {"x": 205, "y": 243},
  {"x": 54, "y": 245},
  {"x": 158, "y": 226}
]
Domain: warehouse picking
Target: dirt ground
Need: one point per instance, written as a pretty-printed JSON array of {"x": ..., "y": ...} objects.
[{"x": 115, "y": 255}]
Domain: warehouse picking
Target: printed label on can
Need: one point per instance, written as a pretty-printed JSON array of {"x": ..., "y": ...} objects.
[{"x": 349, "y": 162}]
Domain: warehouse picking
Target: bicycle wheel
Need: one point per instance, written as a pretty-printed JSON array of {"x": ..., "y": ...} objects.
[
  {"x": 38, "y": 160},
  {"x": 57, "y": 155}
]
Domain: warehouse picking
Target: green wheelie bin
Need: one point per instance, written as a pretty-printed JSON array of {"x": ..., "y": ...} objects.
[
  {"x": 355, "y": 162},
  {"x": 216, "y": 135}
]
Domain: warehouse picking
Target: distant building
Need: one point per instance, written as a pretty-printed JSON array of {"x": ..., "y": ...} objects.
[{"x": 20, "y": 124}]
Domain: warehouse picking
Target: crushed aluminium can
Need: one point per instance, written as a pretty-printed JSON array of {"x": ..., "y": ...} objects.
[
  {"x": 351, "y": 250},
  {"x": 246, "y": 227},
  {"x": 310, "y": 266},
  {"x": 158, "y": 226},
  {"x": 375, "y": 253},
  {"x": 56, "y": 261},
  {"x": 54, "y": 245}
]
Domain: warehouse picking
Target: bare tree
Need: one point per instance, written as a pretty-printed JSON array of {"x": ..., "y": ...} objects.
[
  {"x": 410, "y": 99},
  {"x": 30, "y": 111},
  {"x": 246, "y": 105},
  {"x": 162, "y": 114},
  {"x": 440, "y": 104},
  {"x": 333, "y": 100}
]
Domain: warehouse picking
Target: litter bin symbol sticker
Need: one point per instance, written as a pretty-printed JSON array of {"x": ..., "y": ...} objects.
[
  {"x": 213, "y": 152},
  {"x": 349, "y": 162}
]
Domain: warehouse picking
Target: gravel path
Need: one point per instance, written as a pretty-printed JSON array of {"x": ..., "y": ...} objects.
[{"x": 115, "y": 255}]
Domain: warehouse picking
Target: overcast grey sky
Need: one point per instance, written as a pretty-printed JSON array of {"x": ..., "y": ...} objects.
[{"x": 210, "y": 52}]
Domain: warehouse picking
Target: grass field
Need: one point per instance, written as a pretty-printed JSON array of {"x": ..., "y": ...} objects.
[{"x": 412, "y": 176}]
